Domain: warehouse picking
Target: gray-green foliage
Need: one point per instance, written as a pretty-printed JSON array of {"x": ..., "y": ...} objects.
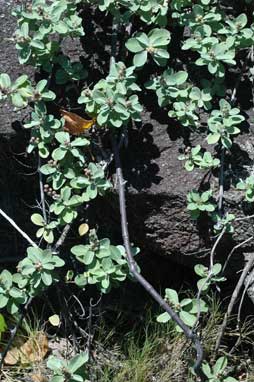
[
  {"x": 182, "y": 97},
  {"x": 112, "y": 100},
  {"x": 200, "y": 202},
  {"x": 223, "y": 124},
  {"x": 73, "y": 370},
  {"x": 154, "y": 44},
  {"x": 37, "y": 270},
  {"x": 208, "y": 276},
  {"x": 40, "y": 21},
  {"x": 105, "y": 264},
  {"x": 186, "y": 308},
  {"x": 247, "y": 185},
  {"x": 196, "y": 158},
  {"x": 216, "y": 373},
  {"x": 11, "y": 296},
  {"x": 192, "y": 83}
]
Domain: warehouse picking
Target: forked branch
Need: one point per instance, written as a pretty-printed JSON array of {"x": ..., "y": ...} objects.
[{"x": 133, "y": 266}]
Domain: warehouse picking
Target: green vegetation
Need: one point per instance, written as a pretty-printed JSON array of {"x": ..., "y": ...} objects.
[{"x": 214, "y": 40}]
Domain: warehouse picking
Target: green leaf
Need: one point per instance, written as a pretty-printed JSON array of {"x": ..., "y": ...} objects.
[
  {"x": 163, "y": 318},
  {"x": 134, "y": 46},
  {"x": 159, "y": 37},
  {"x": 220, "y": 365},
  {"x": 213, "y": 138},
  {"x": 216, "y": 269},
  {"x": 172, "y": 296},
  {"x": 59, "y": 153},
  {"x": 188, "y": 319},
  {"x": 37, "y": 44},
  {"x": 17, "y": 100},
  {"x": 47, "y": 169},
  {"x": 46, "y": 278},
  {"x": 37, "y": 219},
  {"x": 77, "y": 362},
  {"x": 79, "y": 250},
  {"x": 61, "y": 27},
  {"x": 3, "y": 325},
  {"x": 58, "y": 378},
  {"x": 201, "y": 270},
  {"x": 41, "y": 85},
  {"x": 62, "y": 137},
  {"x": 3, "y": 301},
  {"x": 5, "y": 81},
  {"x": 140, "y": 59},
  {"x": 48, "y": 236}
]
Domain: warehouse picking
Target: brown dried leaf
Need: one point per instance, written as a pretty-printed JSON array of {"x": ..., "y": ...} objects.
[
  {"x": 12, "y": 357},
  {"x": 39, "y": 378},
  {"x": 35, "y": 349}
]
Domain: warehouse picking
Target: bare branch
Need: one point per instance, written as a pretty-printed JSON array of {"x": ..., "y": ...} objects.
[
  {"x": 233, "y": 299},
  {"x": 233, "y": 250},
  {"x": 43, "y": 204},
  {"x": 134, "y": 269},
  {"x": 62, "y": 237},
  {"x": 12, "y": 222},
  {"x": 221, "y": 183}
]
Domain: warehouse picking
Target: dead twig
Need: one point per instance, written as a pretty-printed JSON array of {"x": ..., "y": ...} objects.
[
  {"x": 209, "y": 276},
  {"x": 17, "y": 228},
  {"x": 62, "y": 238},
  {"x": 233, "y": 250},
  {"x": 43, "y": 204},
  {"x": 233, "y": 299}
]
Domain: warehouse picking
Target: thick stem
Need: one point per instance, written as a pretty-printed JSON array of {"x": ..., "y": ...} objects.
[{"x": 134, "y": 270}]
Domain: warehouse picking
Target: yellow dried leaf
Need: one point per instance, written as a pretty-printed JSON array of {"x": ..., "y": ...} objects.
[
  {"x": 54, "y": 320},
  {"x": 83, "y": 229}
]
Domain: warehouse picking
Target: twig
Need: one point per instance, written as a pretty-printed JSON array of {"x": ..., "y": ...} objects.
[
  {"x": 239, "y": 327},
  {"x": 134, "y": 269},
  {"x": 221, "y": 183},
  {"x": 12, "y": 222},
  {"x": 14, "y": 331},
  {"x": 237, "y": 289},
  {"x": 62, "y": 238},
  {"x": 43, "y": 205},
  {"x": 209, "y": 276},
  {"x": 233, "y": 250},
  {"x": 90, "y": 323},
  {"x": 244, "y": 218}
]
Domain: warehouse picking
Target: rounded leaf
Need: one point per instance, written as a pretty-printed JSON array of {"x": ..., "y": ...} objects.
[
  {"x": 140, "y": 59},
  {"x": 54, "y": 320},
  {"x": 37, "y": 219},
  {"x": 83, "y": 229}
]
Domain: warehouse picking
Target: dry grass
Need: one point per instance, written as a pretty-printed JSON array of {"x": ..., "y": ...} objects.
[{"x": 149, "y": 352}]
